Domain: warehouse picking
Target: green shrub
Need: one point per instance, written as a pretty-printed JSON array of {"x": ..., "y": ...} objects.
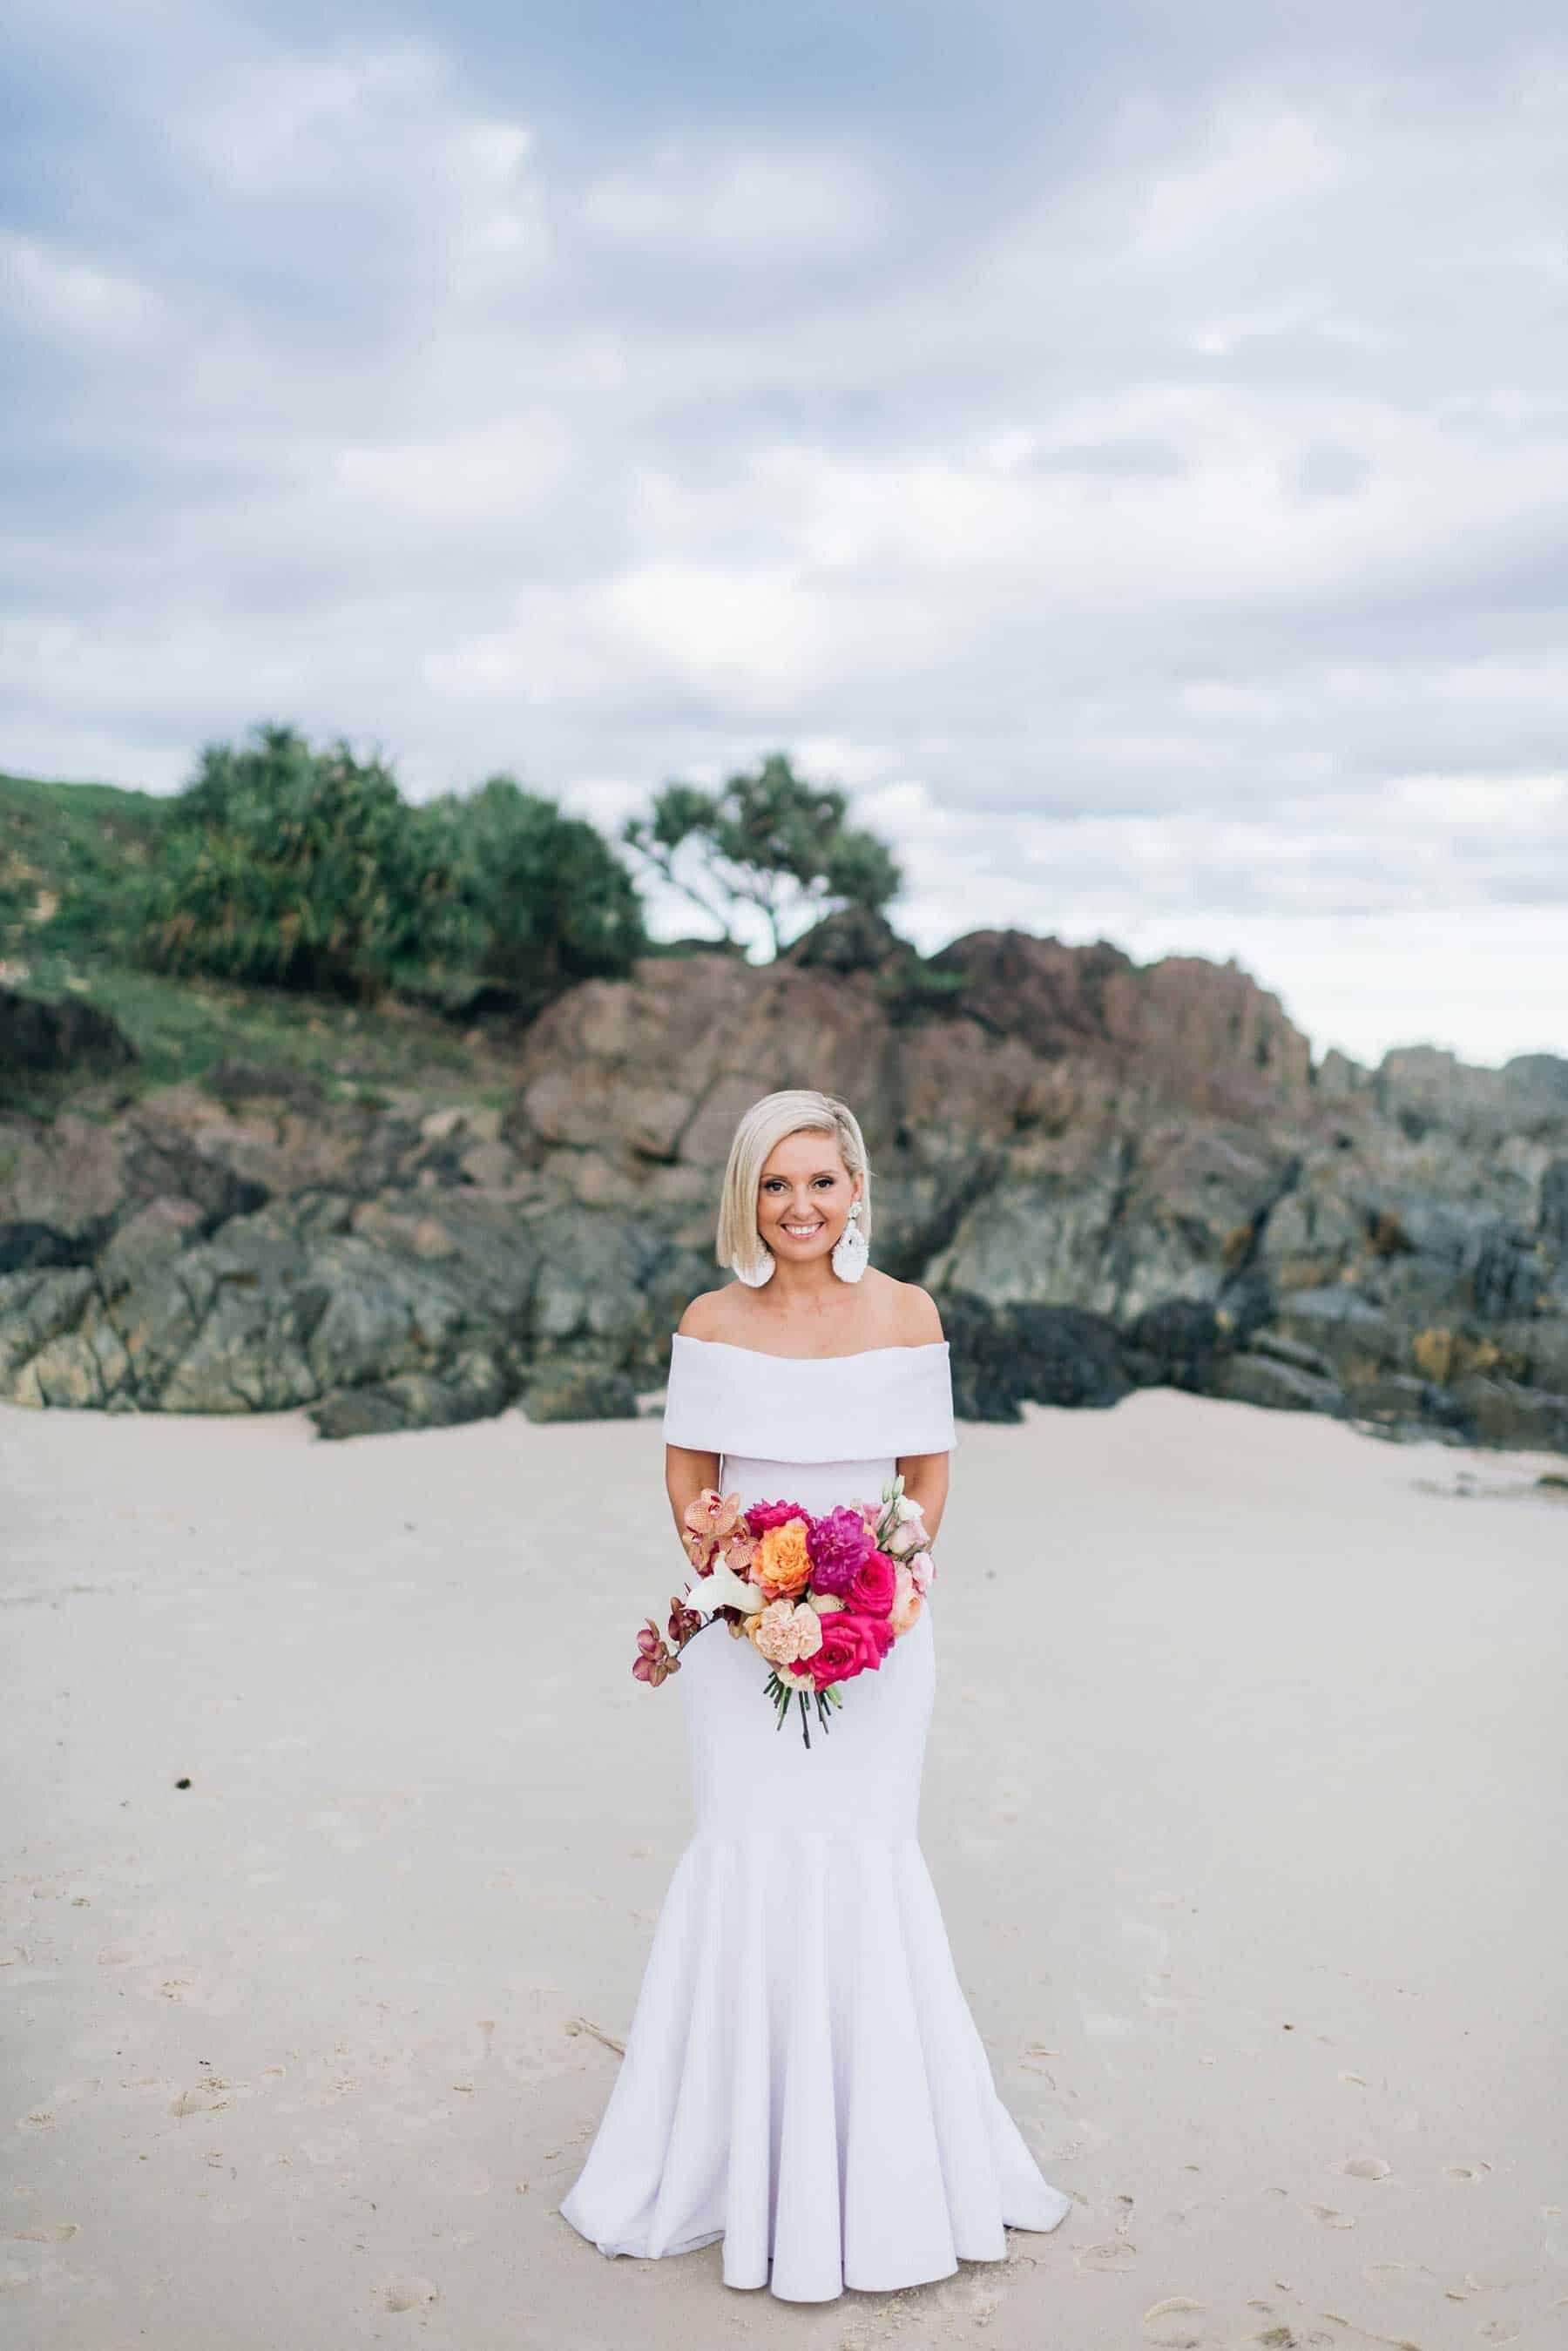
[
  {"x": 293, "y": 868},
  {"x": 537, "y": 900},
  {"x": 297, "y": 868}
]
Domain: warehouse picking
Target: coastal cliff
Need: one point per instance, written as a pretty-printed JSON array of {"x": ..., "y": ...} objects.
[{"x": 1110, "y": 1175}]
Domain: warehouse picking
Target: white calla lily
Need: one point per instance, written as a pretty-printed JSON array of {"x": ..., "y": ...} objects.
[{"x": 724, "y": 1588}]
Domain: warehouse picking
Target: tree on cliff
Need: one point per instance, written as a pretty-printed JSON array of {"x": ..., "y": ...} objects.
[{"x": 769, "y": 840}]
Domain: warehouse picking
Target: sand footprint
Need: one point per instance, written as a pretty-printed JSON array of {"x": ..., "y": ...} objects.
[
  {"x": 407, "y": 2294},
  {"x": 1329, "y": 2218},
  {"x": 1110, "y": 2255},
  {"x": 207, "y": 2098},
  {"x": 1177, "y": 2323},
  {"x": 1365, "y": 2166},
  {"x": 578, "y": 2024}
]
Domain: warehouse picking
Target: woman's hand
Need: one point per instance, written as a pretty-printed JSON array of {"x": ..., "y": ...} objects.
[{"x": 686, "y": 1474}]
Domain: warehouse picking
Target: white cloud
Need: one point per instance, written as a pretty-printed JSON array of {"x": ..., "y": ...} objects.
[
  {"x": 287, "y": 124},
  {"x": 1155, "y": 523},
  {"x": 730, "y": 197},
  {"x": 50, "y": 291},
  {"x": 500, "y": 238}
]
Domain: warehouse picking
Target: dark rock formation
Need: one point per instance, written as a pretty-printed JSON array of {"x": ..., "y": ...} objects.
[
  {"x": 1110, "y": 1176},
  {"x": 1205, "y": 1032},
  {"x": 47, "y": 1037}
]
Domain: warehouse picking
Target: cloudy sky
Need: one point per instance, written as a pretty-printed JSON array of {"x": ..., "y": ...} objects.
[{"x": 1126, "y": 447}]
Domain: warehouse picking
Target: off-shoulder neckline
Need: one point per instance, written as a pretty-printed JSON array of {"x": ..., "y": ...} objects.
[{"x": 921, "y": 1347}]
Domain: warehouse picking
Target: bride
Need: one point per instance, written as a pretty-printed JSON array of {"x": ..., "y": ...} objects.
[{"x": 803, "y": 2078}]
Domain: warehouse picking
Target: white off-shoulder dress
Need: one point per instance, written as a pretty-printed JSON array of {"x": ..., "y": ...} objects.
[{"x": 803, "y": 2077}]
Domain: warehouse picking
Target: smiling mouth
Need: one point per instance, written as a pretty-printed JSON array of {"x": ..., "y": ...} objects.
[{"x": 802, "y": 1232}]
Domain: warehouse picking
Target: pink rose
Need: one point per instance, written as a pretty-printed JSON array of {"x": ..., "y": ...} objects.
[
  {"x": 870, "y": 1589},
  {"x": 851, "y": 1645},
  {"x": 880, "y": 1633},
  {"x": 761, "y": 1516}
]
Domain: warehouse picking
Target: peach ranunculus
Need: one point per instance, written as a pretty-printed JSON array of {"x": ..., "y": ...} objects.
[
  {"x": 786, "y": 1633},
  {"x": 783, "y": 1564},
  {"x": 906, "y": 1602}
]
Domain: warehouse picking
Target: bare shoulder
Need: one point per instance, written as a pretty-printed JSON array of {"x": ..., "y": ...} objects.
[
  {"x": 706, "y": 1316},
  {"x": 913, "y": 1315}
]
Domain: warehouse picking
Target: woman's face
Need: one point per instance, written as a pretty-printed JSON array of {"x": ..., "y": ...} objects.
[{"x": 803, "y": 1196}]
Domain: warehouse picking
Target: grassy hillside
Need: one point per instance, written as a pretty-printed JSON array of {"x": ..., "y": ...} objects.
[{"x": 73, "y": 858}]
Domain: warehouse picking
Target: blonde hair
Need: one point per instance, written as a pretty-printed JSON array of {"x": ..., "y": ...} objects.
[{"x": 765, "y": 1125}]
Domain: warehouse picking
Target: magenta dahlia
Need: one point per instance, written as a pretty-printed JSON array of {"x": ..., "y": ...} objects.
[{"x": 838, "y": 1544}]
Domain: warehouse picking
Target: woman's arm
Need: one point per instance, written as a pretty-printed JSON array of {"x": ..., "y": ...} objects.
[
  {"x": 924, "y": 1478},
  {"x": 686, "y": 1472},
  {"x": 686, "y": 1475},
  {"x": 925, "y": 1474}
]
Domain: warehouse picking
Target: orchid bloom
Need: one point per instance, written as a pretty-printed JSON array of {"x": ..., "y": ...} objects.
[{"x": 653, "y": 1660}]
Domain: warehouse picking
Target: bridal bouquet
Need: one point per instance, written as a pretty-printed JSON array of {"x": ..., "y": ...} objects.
[{"x": 822, "y": 1599}]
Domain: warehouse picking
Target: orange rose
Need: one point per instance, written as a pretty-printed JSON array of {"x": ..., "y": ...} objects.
[{"x": 783, "y": 1564}]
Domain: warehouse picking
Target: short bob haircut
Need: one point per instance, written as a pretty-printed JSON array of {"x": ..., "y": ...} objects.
[{"x": 765, "y": 1125}]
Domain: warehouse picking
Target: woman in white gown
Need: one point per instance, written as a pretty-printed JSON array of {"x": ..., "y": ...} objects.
[{"x": 803, "y": 2078}]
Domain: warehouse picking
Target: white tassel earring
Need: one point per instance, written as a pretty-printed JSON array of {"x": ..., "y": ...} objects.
[
  {"x": 851, "y": 1252},
  {"x": 760, "y": 1270}
]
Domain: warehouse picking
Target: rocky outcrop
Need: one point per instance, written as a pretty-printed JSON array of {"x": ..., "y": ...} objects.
[
  {"x": 384, "y": 1270},
  {"x": 1112, "y": 1177},
  {"x": 1205, "y": 1035},
  {"x": 42, "y": 1037}
]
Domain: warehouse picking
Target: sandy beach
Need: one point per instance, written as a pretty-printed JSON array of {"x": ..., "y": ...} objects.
[{"x": 1244, "y": 1800}]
